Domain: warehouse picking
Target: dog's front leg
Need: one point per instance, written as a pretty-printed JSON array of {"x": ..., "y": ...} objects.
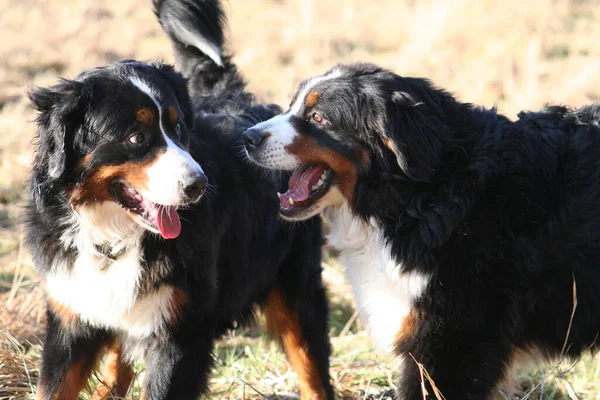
[
  {"x": 462, "y": 364},
  {"x": 178, "y": 366},
  {"x": 70, "y": 355}
]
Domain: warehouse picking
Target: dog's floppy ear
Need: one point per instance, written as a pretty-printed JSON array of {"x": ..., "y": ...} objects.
[
  {"x": 179, "y": 83},
  {"x": 416, "y": 134},
  {"x": 56, "y": 105}
]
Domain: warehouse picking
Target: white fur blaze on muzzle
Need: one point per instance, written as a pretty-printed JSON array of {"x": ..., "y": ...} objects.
[
  {"x": 173, "y": 178},
  {"x": 266, "y": 143}
]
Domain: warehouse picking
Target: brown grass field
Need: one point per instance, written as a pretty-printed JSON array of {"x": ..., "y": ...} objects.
[{"x": 514, "y": 54}]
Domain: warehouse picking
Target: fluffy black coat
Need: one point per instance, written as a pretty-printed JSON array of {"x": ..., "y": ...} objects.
[
  {"x": 233, "y": 252},
  {"x": 502, "y": 216}
]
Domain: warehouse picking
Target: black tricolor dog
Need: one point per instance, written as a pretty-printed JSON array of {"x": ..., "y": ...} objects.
[
  {"x": 154, "y": 237},
  {"x": 465, "y": 234}
]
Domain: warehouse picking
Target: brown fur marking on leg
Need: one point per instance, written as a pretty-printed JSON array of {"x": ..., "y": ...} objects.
[
  {"x": 40, "y": 393},
  {"x": 75, "y": 380},
  {"x": 407, "y": 332},
  {"x": 178, "y": 302},
  {"x": 283, "y": 324},
  {"x": 116, "y": 375}
]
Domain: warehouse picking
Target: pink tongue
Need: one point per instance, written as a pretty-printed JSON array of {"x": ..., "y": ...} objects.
[
  {"x": 167, "y": 220},
  {"x": 299, "y": 185},
  {"x": 168, "y": 223}
]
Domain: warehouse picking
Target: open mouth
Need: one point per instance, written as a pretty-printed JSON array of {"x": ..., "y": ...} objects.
[
  {"x": 163, "y": 219},
  {"x": 306, "y": 186}
]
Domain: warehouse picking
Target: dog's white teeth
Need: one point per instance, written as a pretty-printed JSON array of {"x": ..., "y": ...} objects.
[
  {"x": 291, "y": 201},
  {"x": 132, "y": 191},
  {"x": 324, "y": 175},
  {"x": 279, "y": 195},
  {"x": 139, "y": 197},
  {"x": 318, "y": 184}
]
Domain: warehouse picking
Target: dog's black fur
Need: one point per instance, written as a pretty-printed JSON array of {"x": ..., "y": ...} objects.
[
  {"x": 504, "y": 216},
  {"x": 233, "y": 252}
]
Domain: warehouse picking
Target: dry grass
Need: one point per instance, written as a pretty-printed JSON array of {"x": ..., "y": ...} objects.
[{"x": 515, "y": 54}]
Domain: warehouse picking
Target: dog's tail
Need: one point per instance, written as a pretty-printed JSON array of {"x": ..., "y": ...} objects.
[{"x": 195, "y": 28}]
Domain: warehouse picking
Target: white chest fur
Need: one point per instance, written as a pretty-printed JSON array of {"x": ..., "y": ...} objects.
[
  {"x": 383, "y": 293},
  {"x": 107, "y": 295}
]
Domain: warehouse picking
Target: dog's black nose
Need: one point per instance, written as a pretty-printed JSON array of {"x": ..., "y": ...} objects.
[
  {"x": 194, "y": 188},
  {"x": 253, "y": 138}
]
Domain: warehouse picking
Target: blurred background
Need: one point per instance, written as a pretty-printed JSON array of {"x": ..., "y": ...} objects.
[{"x": 512, "y": 54}]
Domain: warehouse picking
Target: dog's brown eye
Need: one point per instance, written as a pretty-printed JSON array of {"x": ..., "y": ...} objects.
[
  {"x": 138, "y": 138},
  {"x": 318, "y": 118}
]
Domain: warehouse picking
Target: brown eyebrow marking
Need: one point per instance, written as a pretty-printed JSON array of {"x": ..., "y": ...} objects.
[
  {"x": 173, "y": 116},
  {"x": 311, "y": 99},
  {"x": 145, "y": 116}
]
